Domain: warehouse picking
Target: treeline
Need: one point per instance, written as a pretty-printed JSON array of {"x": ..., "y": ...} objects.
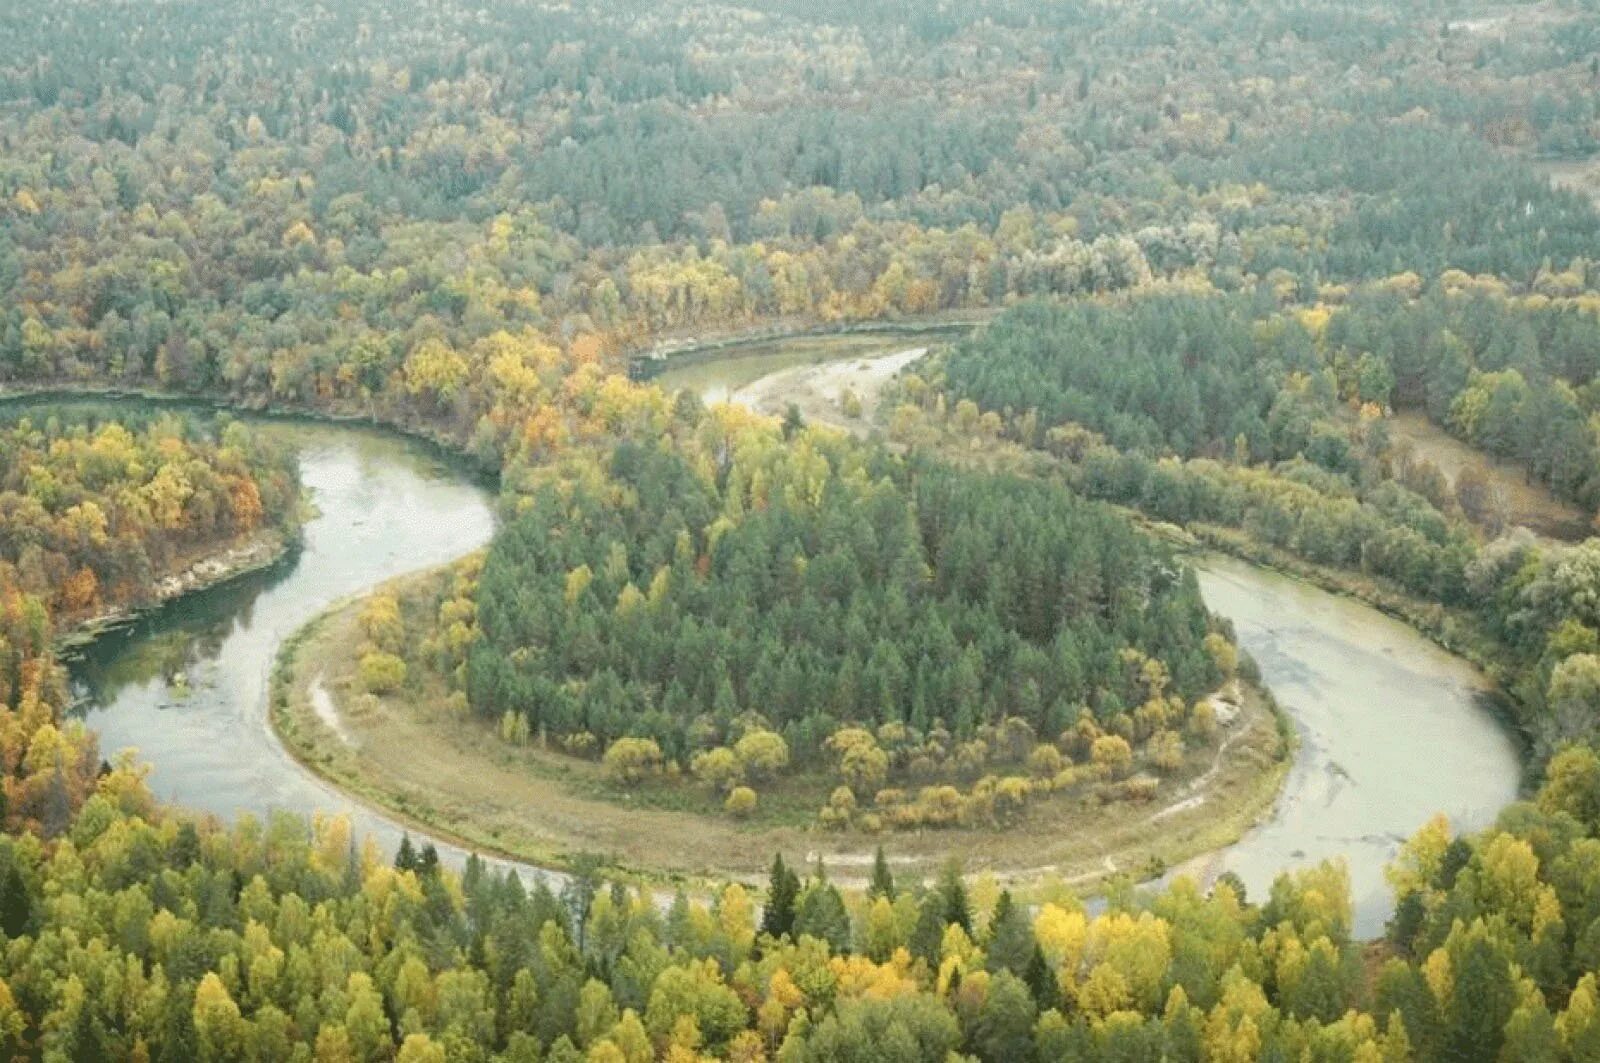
[
  {"x": 815, "y": 585},
  {"x": 142, "y": 935},
  {"x": 436, "y": 175},
  {"x": 1423, "y": 198},
  {"x": 1240, "y": 378},
  {"x": 1305, "y": 473},
  {"x": 93, "y": 512}
]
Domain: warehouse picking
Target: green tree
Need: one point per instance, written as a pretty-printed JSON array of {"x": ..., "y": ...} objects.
[
  {"x": 783, "y": 890},
  {"x": 882, "y": 881}
]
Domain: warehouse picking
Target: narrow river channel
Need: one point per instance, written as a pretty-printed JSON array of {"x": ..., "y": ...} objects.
[{"x": 186, "y": 686}]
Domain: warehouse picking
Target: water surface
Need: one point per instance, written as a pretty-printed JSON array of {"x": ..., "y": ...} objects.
[
  {"x": 187, "y": 686},
  {"x": 1392, "y": 729}
]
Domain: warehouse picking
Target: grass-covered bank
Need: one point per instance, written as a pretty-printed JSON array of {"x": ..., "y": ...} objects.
[{"x": 439, "y": 768}]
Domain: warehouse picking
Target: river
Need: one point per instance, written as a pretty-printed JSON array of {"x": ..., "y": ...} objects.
[
  {"x": 1392, "y": 728},
  {"x": 186, "y": 686}
]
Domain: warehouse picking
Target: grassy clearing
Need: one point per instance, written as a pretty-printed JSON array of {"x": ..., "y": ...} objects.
[
  {"x": 449, "y": 773},
  {"x": 1528, "y": 502}
]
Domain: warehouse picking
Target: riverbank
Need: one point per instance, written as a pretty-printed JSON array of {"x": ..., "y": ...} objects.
[
  {"x": 222, "y": 565},
  {"x": 223, "y": 759},
  {"x": 447, "y": 772},
  {"x": 674, "y": 353},
  {"x": 441, "y": 445}
]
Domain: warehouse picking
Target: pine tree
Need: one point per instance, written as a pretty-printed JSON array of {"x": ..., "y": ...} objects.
[
  {"x": 927, "y": 937},
  {"x": 16, "y": 907},
  {"x": 953, "y": 893},
  {"x": 821, "y": 914},
  {"x": 405, "y": 858},
  {"x": 882, "y": 884},
  {"x": 185, "y": 847},
  {"x": 1010, "y": 944},
  {"x": 783, "y": 888}
]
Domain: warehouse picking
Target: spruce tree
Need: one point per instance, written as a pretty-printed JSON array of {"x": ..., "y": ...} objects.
[
  {"x": 783, "y": 887},
  {"x": 882, "y": 884},
  {"x": 1010, "y": 943},
  {"x": 927, "y": 937},
  {"x": 16, "y": 907},
  {"x": 821, "y": 914},
  {"x": 1041, "y": 980},
  {"x": 953, "y": 892},
  {"x": 405, "y": 858}
]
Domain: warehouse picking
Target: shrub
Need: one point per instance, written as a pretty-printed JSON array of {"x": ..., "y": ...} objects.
[
  {"x": 741, "y": 802},
  {"x": 380, "y": 622},
  {"x": 1112, "y": 755},
  {"x": 763, "y": 753},
  {"x": 862, "y": 763},
  {"x": 514, "y": 728},
  {"x": 632, "y": 759},
  {"x": 718, "y": 768},
  {"x": 1045, "y": 761},
  {"x": 1166, "y": 751},
  {"x": 382, "y": 673}
]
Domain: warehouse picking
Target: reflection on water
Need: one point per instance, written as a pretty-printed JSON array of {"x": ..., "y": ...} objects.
[
  {"x": 187, "y": 685},
  {"x": 169, "y": 644}
]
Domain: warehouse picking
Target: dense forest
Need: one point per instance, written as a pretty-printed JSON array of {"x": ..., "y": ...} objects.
[
  {"x": 795, "y": 591},
  {"x": 1223, "y": 377},
  {"x": 1219, "y": 411},
  {"x": 1243, "y": 233},
  {"x": 346, "y": 237},
  {"x": 138, "y": 935},
  {"x": 93, "y": 513}
]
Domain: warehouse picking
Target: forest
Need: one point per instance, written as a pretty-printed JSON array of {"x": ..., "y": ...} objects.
[
  {"x": 139, "y": 934},
  {"x": 94, "y": 512},
  {"x": 807, "y": 595},
  {"x": 1227, "y": 243},
  {"x": 1276, "y": 430}
]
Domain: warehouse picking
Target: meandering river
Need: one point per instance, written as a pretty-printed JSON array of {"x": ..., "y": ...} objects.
[
  {"x": 186, "y": 686},
  {"x": 1392, "y": 728}
]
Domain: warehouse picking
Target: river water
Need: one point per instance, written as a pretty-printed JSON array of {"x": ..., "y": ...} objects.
[
  {"x": 187, "y": 685},
  {"x": 1392, "y": 729}
]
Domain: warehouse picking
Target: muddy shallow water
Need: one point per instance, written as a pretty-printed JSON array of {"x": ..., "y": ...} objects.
[{"x": 1392, "y": 730}]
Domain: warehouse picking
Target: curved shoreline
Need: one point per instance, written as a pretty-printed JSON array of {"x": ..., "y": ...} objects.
[
  {"x": 375, "y": 777},
  {"x": 448, "y": 451},
  {"x": 264, "y": 551}
]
